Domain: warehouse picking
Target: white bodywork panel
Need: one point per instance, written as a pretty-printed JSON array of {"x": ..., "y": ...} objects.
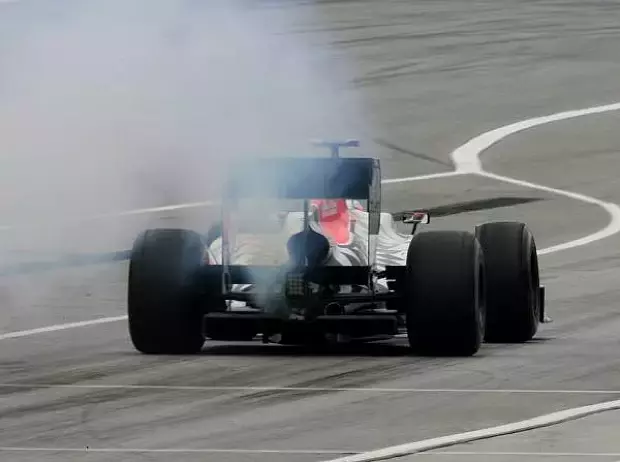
[{"x": 269, "y": 248}]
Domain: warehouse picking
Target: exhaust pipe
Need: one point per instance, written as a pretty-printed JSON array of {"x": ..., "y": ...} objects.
[{"x": 334, "y": 309}]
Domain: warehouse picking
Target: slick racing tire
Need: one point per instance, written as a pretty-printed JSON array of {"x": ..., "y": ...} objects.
[
  {"x": 164, "y": 307},
  {"x": 513, "y": 304},
  {"x": 444, "y": 293}
]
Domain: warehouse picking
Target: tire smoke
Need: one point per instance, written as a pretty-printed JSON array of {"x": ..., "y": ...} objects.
[{"x": 115, "y": 105}]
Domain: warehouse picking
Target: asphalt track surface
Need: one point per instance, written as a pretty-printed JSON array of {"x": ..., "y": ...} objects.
[{"x": 436, "y": 73}]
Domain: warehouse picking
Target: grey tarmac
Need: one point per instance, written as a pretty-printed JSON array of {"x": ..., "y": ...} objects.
[{"x": 433, "y": 74}]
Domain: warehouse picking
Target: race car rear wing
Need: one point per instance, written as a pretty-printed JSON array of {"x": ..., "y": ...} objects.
[{"x": 304, "y": 178}]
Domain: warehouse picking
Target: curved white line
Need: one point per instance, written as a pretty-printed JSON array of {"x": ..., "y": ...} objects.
[
  {"x": 444, "y": 441},
  {"x": 466, "y": 160},
  {"x": 613, "y": 227}
]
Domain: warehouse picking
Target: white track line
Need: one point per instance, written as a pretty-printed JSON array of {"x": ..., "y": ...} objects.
[
  {"x": 524, "y": 454},
  {"x": 175, "y": 450},
  {"x": 430, "y": 176},
  {"x": 149, "y": 210},
  {"x": 105, "y": 216},
  {"x": 111, "y": 386},
  {"x": 466, "y": 159},
  {"x": 613, "y": 227},
  {"x": 54, "y": 328},
  {"x": 292, "y": 451},
  {"x": 450, "y": 440}
]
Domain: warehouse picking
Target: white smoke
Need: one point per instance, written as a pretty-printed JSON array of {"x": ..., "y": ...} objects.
[{"x": 113, "y": 105}]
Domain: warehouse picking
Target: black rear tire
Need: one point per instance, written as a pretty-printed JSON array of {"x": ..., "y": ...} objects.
[
  {"x": 163, "y": 304},
  {"x": 512, "y": 274},
  {"x": 444, "y": 293}
]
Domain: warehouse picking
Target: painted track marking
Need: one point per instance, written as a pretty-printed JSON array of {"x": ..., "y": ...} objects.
[
  {"x": 613, "y": 227},
  {"x": 176, "y": 450},
  {"x": 491, "y": 432},
  {"x": 123, "y": 213},
  {"x": 430, "y": 176},
  {"x": 112, "y": 386},
  {"x": 293, "y": 451},
  {"x": 523, "y": 454},
  {"x": 466, "y": 159},
  {"x": 57, "y": 327}
]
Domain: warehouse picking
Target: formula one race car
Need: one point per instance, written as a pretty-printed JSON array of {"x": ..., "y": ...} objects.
[{"x": 304, "y": 255}]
